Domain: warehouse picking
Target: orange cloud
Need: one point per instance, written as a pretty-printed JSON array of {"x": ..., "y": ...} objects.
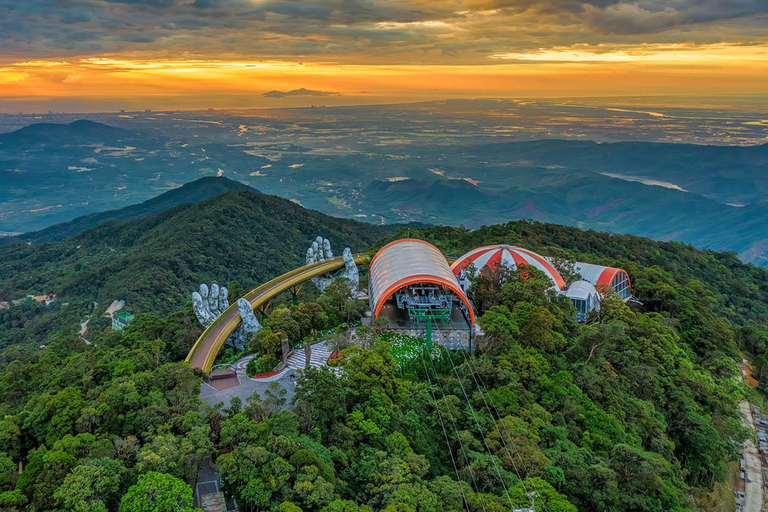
[
  {"x": 166, "y": 54},
  {"x": 580, "y": 70}
]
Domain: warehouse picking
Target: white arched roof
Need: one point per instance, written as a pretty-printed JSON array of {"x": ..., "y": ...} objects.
[
  {"x": 581, "y": 290},
  {"x": 410, "y": 261}
]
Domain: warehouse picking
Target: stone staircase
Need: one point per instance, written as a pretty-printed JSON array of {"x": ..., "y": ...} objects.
[
  {"x": 297, "y": 360},
  {"x": 320, "y": 354},
  {"x": 242, "y": 363}
]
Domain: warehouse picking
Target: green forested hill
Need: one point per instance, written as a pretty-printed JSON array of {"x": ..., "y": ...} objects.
[
  {"x": 635, "y": 412},
  {"x": 192, "y": 192},
  {"x": 155, "y": 262}
]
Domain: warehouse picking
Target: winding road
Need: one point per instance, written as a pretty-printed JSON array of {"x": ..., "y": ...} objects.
[{"x": 207, "y": 346}]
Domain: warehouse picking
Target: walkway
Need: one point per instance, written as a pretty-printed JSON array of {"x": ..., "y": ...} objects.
[
  {"x": 209, "y": 343},
  {"x": 246, "y": 387},
  {"x": 84, "y": 325},
  {"x": 242, "y": 363},
  {"x": 754, "y": 472}
]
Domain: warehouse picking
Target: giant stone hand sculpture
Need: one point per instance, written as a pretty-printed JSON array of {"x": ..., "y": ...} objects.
[
  {"x": 249, "y": 325},
  {"x": 320, "y": 250},
  {"x": 210, "y": 303}
]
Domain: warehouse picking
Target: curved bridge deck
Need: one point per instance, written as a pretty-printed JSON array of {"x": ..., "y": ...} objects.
[{"x": 207, "y": 346}]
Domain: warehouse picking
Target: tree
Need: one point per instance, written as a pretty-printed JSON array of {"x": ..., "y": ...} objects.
[
  {"x": 544, "y": 496},
  {"x": 235, "y": 290},
  {"x": 276, "y": 398},
  {"x": 267, "y": 343},
  {"x": 314, "y": 491},
  {"x": 235, "y": 405},
  {"x": 8, "y": 472},
  {"x": 514, "y": 442},
  {"x": 92, "y": 486},
  {"x": 499, "y": 326},
  {"x": 44, "y": 473},
  {"x": 10, "y": 501},
  {"x": 281, "y": 321},
  {"x": 9, "y": 437},
  {"x": 314, "y": 312},
  {"x": 345, "y": 506},
  {"x": 157, "y": 492}
]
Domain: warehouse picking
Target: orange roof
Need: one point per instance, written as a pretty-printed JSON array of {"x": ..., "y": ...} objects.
[{"x": 410, "y": 261}]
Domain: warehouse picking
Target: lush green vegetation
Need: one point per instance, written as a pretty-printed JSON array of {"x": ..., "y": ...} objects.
[
  {"x": 154, "y": 263},
  {"x": 636, "y": 411},
  {"x": 717, "y": 304},
  {"x": 305, "y": 322},
  {"x": 615, "y": 415},
  {"x": 87, "y": 421}
]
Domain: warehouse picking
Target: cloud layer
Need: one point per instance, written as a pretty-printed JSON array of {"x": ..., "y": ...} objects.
[
  {"x": 112, "y": 54},
  {"x": 363, "y": 31}
]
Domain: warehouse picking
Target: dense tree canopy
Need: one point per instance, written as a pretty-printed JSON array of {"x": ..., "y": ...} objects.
[{"x": 636, "y": 410}]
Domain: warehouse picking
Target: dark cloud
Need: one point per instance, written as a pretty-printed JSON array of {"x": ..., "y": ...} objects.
[
  {"x": 361, "y": 31},
  {"x": 644, "y": 16},
  {"x": 138, "y": 38},
  {"x": 77, "y": 16}
]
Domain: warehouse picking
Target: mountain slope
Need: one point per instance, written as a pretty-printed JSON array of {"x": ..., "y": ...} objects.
[
  {"x": 53, "y": 173},
  {"x": 728, "y": 174},
  {"x": 193, "y": 192},
  {"x": 155, "y": 262},
  {"x": 577, "y": 198}
]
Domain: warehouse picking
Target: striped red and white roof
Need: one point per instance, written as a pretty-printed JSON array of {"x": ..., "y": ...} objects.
[
  {"x": 493, "y": 255},
  {"x": 598, "y": 274}
]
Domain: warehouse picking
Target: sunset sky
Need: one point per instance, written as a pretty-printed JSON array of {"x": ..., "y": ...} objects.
[{"x": 86, "y": 55}]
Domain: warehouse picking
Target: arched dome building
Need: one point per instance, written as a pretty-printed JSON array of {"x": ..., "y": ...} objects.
[
  {"x": 492, "y": 256},
  {"x": 600, "y": 277},
  {"x": 417, "y": 276},
  {"x": 585, "y": 293},
  {"x": 585, "y": 298}
]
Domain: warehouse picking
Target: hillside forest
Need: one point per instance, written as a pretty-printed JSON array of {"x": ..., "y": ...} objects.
[{"x": 636, "y": 410}]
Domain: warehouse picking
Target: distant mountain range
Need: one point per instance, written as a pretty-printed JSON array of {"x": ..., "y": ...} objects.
[
  {"x": 77, "y": 131},
  {"x": 727, "y": 174},
  {"x": 373, "y": 169},
  {"x": 297, "y": 92},
  {"x": 582, "y": 199}
]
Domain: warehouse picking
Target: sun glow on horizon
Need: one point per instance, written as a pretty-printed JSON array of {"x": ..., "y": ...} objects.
[{"x": 577, "y": 70}]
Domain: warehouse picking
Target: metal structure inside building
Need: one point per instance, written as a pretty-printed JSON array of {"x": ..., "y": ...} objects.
[
  {"x": 424, "y": 300},
  {"x": 411, "y": 285}
]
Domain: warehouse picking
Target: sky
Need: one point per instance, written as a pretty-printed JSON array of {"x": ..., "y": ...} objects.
[{"x": 106, "y": 55}]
